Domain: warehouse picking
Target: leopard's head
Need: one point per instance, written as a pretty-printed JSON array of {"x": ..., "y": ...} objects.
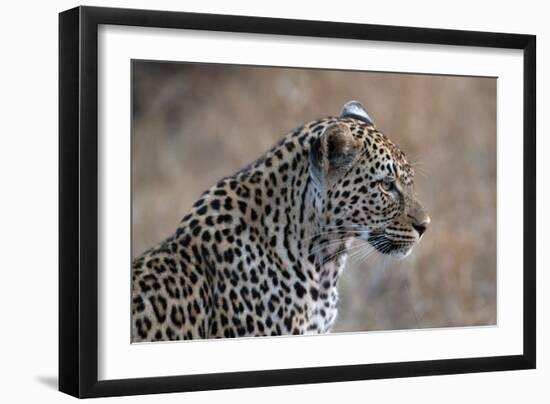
[{"x": 366, "y": 185}]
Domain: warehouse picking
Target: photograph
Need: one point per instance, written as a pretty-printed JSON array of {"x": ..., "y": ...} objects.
[
  {"x": 251, "y": 201},
  {"x": 272, "y": 201}
]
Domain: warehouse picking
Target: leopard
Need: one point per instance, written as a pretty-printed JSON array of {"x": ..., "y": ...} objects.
[{"x": 260, "y": 253}]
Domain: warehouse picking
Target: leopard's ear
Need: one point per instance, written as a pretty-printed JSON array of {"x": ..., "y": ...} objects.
[
  {"x": 333, "y": 153},
  {"x": 354, "y": 109}
]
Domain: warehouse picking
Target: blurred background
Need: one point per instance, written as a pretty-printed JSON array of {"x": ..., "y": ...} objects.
[{"x": 196, "y": 123}]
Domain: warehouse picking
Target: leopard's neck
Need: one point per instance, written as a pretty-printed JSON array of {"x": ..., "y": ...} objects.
[{"x": 291, "y": 206}]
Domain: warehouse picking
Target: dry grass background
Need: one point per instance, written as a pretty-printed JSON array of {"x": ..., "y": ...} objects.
[{"x": 193, "y": 124}]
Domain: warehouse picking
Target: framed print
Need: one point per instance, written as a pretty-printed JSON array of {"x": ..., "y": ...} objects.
[{"x": 251, "y": 201}]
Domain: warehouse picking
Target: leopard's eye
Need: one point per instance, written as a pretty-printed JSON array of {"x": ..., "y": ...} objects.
[{"x": 387, "y": 184}]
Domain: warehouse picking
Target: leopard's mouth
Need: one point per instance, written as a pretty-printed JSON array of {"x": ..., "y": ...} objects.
[{"x": 387, "y": 246}]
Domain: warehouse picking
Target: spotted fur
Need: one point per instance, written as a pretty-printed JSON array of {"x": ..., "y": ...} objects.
[{"x": 260, "y": 253}]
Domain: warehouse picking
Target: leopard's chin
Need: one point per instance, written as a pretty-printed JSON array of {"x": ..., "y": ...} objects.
[{"x": 402, "y": 253}]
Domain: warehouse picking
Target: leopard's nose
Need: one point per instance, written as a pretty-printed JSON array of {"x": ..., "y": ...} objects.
[{"x": 422, "y": 227}]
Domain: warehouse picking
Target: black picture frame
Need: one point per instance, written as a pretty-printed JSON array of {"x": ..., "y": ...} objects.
[{"x": 78, "y": 200}]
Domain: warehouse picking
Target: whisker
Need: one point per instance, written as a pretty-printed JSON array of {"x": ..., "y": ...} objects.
[
  {"x": 338, "y": 226},
  {"x": 368, "y": 250},
  {"x": 329, "y": 243},
  {"x": 330, "y": 232},
  {"x": 362, "y": 254},
  {"x": 342, "y": 251}
]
